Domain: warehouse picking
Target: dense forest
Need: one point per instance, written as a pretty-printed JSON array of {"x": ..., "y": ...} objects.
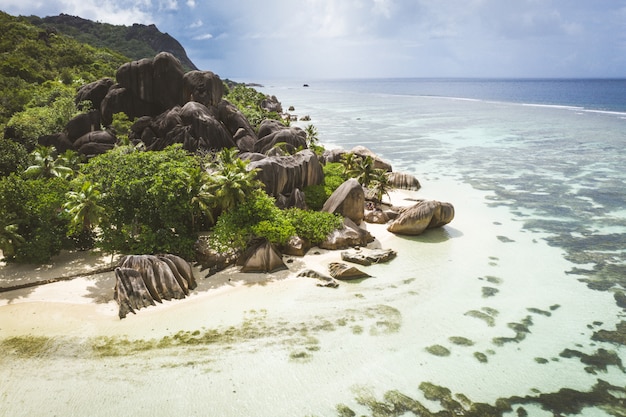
[{"x": 126, "y": 200}]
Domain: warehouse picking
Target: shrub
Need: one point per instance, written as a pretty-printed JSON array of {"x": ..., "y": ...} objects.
[
  {"x": 34, "y": 206},
  {"x": 147, "y": 198},
  {"x": 316, "y": 195},
  {"x": 313, "y": 226}
]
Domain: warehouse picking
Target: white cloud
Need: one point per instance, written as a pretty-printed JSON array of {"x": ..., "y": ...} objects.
[
  {"x": 191, "y": 4},
  {"x": 203, "y": 37},
  {"x": 198, "y": 23}
]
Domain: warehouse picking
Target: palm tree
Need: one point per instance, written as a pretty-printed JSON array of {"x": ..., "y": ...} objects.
[
  {"x": 231, "y": 183},
  {"x": 363, "y": 170},
  {"x": 203, "y": 201},
  {"x": 10, "y": 239},
  {"x": 46, "y": 165},
  {"x": 83, "y": 208},
  {"x": 380, "y": 184}
]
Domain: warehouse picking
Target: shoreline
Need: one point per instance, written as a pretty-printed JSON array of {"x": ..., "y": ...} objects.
[{"x": 77, "y": 282}]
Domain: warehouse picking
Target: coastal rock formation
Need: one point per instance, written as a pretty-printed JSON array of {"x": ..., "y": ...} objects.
[
  {"x": 262, "y": 257},
  {"x": 326, "y": 281},
  {"x": 284, "y": 174},
  {"x": 403, "y": 181},
  {"x": 423, "y": 215},
  {"x": 239, "y": 127},
  {"x": 94, "y": 92},
  {"x": 336, "y": 155},
  {"x": 348, "y": 236},
  {"x": 211, "y": 259},
  {"x": 293, "y": 138},
  {"x": 202, "y": 86},
  {"x": 339, "y": 270},
  {"x": 296, "y": 246},
  {"x": 140, "y": 280},
  {"x": 376, "y": 216},
  {"x": 348, "y": 200},
  {"x": 368, "y": 257}
]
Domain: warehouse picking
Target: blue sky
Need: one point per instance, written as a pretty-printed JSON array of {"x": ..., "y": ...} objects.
[{"x": 306, "y": 39}]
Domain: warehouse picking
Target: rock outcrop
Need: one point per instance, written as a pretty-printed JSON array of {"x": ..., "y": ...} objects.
[
  {"x": 341, "y": 271},
  {"x": 325, "y": 280},
  {"x": 348, "y": 200},
  {"x": 423, "y": 215},
  {"x": 262, "y": 257},
  {"x": 403, "y": 181},
  {"x": 140, "y": 280},
  {"x": 348, "y": 236},
  {"x": 336, "y": 155},
  {"x": 284, "y": 174},
  {"x": 203, "y": 87},
  {"x": 367, "y": 257},
  {"x": 271, "y": 134}
]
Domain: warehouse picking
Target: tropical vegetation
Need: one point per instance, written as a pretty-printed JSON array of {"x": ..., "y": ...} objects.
[{"x": 129, "y": 200}]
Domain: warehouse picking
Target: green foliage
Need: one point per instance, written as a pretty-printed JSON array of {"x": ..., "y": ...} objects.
[
  {"x": 13, "y": 157},
  {"x": 313, "y": 226},
  {"x": 34, "y": 206},
  {"x": 32, "y": 56},
  {"x": 121, "y": 125},
  {"x": 316, "y": 195},
  {"x": 312, "y": 139},
  {"x": 256, "y": 217},
  {"x": 248, "y": 101},
  {"x": 82, "y": 207},
  {"x": 46, "y": 164},
  {"x": 47, "y": 112},
  {"x": 230, "y": 181},
  {"x": 147, "y": 197}
]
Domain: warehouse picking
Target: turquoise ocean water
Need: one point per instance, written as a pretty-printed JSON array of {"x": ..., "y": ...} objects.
[{"x": 550, "y": 154}]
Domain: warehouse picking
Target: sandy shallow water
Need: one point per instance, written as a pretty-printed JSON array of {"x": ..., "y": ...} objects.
[{"x": 277, "y": 345}]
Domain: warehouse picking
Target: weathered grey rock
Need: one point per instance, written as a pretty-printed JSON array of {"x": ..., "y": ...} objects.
[
  {"x": 348, "y": 200},
  {"x": 368, "y": 257},
  {"x": 209, "y": 133},
  {"x": 326, "y": 281},
  {"x": 143, "y": 279},
  {"x": 122, "y": 100},
  {"x": 82, "y": 124},
  {"x": 238, "y": 126},
  {"x": 296, "y": 246},
  {"x": 293, "y": 137},
  {"x": 336, "y": 155},
  {"x": 403, "y": 181},
  {"x": 262, "y": 257},
  {"x": 146, "y": 87},
  {"x": 59, "y": 140},
  {"x": 295, "y": 199},
  {"x": 202, "y": 86},
  {"x": 376, "y": 216},
  {"x": 94, "y": 92},
  {"x": 423, "y": 215},
  {"x": 272, "y": 104},
  {"x": 268, "y": 126},
  {"x": 95, "y": 148},
  {"x": 349, "y": 235},
  {"x": 99, "y": 136},
  {"x": 209, "y": 258},
  {"x": 285, "y": 174},
  {"x": 341, "y": 271},
  {"x": 379, "y": 163}
]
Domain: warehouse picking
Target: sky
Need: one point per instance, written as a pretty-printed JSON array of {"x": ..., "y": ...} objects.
[{"x": 316, "y": 39}]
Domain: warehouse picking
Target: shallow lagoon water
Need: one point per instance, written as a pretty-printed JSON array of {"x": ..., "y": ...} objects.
[{"x": 491, "y": 306}]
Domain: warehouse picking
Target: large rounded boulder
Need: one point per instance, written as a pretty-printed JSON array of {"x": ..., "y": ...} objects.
[
  {"x": 424, "y": 215},
  {"x": 348, "y": 200}
]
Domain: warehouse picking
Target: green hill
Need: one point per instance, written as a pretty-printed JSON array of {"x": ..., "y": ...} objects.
[
  {"x": 136, "y": 41},
  {"x": 37, "y": 64}
]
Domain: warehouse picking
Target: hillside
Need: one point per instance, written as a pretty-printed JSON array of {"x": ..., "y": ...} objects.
[{"x": 136, "y": 41}]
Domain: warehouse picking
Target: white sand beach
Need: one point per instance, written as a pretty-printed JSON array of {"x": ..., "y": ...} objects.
[{"x": 282, "y": 346}]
